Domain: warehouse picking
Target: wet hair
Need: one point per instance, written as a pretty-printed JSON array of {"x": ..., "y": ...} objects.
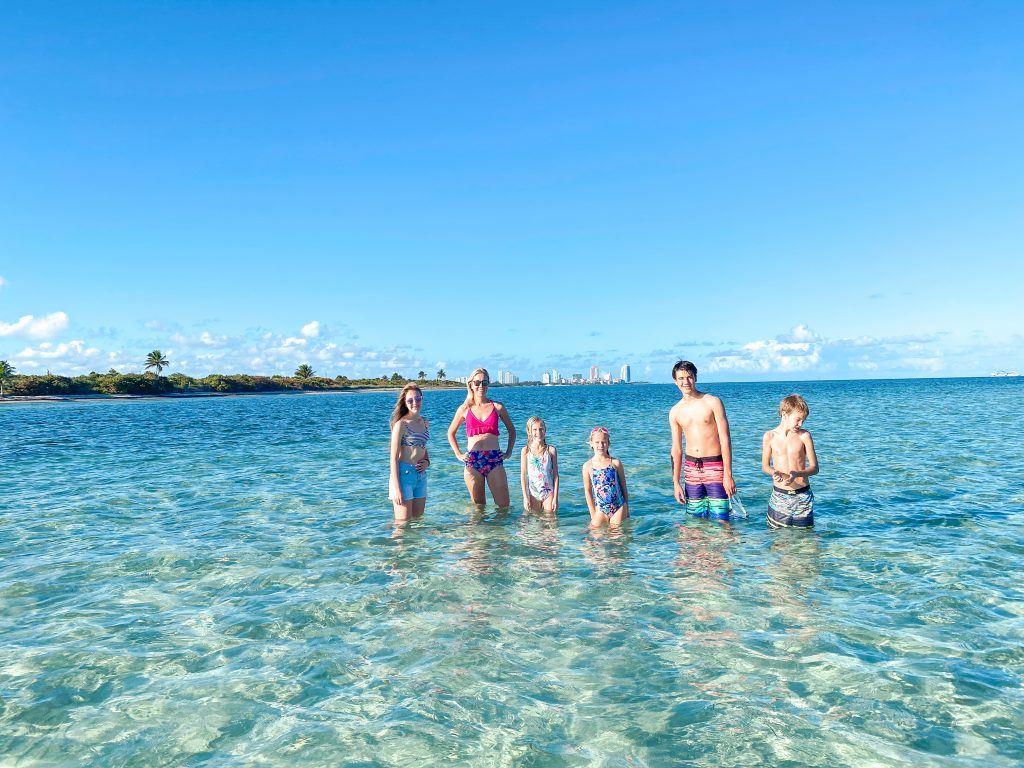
[
  {"x": 469, "y": 384},
  {"x": 794, "y": 403},
  {"x": 684, "y": 365},
  {"x": 529, "y": 425},
  {"x": 401, "y": 409}
]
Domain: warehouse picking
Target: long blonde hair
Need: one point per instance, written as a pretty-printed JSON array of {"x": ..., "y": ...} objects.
[
  {"x": 529, "y": 425},
  {"x": 401, "y": 409},
  {"x": 469, "y": 385}
]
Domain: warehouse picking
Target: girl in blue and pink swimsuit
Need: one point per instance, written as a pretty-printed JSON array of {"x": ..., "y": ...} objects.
[
  {"x": 604, "y": 481},
  {"x": 484, "y": 461}
]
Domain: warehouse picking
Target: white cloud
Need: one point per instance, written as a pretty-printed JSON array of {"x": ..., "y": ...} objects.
[
  {"x": 73, "y": 349},
  {"x": 209, "y": 340},
  {"x": 293, "y": 341},
  {"x": 31, "y": 327},
  {"x": 802, "y": 333},
  {"x": 795, "y": 352},
  {"x": 802, "y": 351},
  {"x": 69, "y": 358},
  {"x": 311, "y": 330},
  {"x": 2, "y": 281}
]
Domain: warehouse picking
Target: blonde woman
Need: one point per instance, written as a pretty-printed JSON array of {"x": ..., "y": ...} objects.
[
  {"x": 409, "y": 455},
  {"x": 483, "y": 459}
]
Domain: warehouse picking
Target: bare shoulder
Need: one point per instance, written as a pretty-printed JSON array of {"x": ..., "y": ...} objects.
[
  {"x": 806, "y": 436},
  {"x": 617, "y": 463},
  {"x": 553, "y": 451}
]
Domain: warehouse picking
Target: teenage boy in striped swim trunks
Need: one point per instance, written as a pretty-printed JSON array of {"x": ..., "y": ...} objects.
[
  {"x": 705, "y": 468},
  {"x": 787, "y": 455}
]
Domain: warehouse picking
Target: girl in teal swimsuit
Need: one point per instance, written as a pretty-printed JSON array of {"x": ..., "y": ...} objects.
[{"x": 604, "y": 481}]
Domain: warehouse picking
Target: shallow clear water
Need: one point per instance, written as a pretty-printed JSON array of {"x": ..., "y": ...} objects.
[{"x": 218, "y": 583}]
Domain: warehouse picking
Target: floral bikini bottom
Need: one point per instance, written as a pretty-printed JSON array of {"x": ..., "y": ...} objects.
[{"x": 484, "y": 461}]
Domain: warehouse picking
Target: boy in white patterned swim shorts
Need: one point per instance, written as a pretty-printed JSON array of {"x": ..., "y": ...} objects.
[{"x": 787, "y": 455}]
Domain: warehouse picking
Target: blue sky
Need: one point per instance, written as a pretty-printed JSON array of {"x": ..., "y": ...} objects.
[{"x": 772, "y": 190}]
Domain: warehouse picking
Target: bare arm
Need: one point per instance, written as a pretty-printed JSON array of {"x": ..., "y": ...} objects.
[
  {"x": 460, "y": 415},
  {"x": 509, "y": 427},
  {"x": 621, "y": 472},
  {"x": 523, "y": 480},
  {"x": 554, "y": 477},
  {"x": 766, "y": 454},
  {"x": 394, "y": 487},
  {"x": 812, "y": 457},
  {"x": 423, "y": 463},
  {"x": 589, "y": 491},
  {"x": 677, "y": 456},
  {"x": 725, "y": 440}
]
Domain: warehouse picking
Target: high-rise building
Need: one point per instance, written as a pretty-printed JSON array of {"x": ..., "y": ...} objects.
[
  {"x": 595, "y": 373},
  {"x": 507, "y": 377},
  {"x": 625, "y": 373},
  {"x": 554, "y": 376},
  {"x": 545, "y": 378}
]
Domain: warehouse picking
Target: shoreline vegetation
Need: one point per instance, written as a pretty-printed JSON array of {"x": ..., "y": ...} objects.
[
  {"x": 15, "y": 387},
  {"x": 23, "y": 387}
]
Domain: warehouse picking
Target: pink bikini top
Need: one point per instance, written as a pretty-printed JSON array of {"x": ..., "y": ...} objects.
[{"x": 488, "y": 426}]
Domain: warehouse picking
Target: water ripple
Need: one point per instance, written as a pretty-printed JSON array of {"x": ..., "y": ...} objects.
[{"x": 217, "y": 582}]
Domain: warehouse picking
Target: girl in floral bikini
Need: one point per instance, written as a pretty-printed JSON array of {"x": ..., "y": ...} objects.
[
  {"x": 604, "y": 480},
  {"x": 538, "y": 469},
  {"x": 483, "y": 459}
]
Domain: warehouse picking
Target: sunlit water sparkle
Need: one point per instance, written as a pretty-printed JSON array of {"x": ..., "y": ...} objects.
[{"x": 217, "y": 582}]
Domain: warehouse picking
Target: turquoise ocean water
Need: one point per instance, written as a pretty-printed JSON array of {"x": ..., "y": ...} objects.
[{"x": 217, "y": 582}]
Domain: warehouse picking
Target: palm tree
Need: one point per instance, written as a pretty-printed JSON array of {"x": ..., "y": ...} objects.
[
  {"x": 421, "y": 375},
  {"x": 440, "y": 374},
  {"x": 304, "y": 372},
  {"x": 6, "y": 372},
  {"x": 156, "y": 359}
]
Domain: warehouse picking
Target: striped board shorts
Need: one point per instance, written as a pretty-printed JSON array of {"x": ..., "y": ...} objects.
[{"x": 703, "y": 478}]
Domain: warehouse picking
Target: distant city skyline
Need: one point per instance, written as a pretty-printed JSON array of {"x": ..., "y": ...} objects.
[{"x": 771, "y": 191}]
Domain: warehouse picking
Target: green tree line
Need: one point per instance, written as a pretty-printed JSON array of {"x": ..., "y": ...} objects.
[{"x": 114, "y": 383}]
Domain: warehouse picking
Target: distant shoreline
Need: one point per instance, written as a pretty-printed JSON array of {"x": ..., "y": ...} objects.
[
  {"x": 103, "y": 397},
  {"x": 107, "y": 397},
  {"x": 189, "y": 395}
]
